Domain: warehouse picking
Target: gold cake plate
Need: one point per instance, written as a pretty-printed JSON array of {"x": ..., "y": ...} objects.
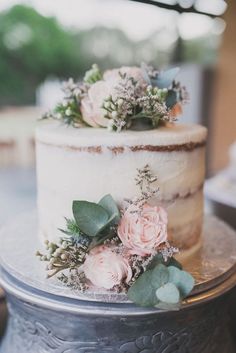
[{"x": 211, "y": 265}]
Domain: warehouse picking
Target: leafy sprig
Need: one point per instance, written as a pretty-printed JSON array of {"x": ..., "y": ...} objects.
[
  {"x": 68, "y": 111},
  {"x": 93, "y": 75},
  {"x": 163, "y": 285}
]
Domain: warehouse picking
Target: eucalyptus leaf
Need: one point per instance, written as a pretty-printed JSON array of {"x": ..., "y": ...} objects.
[
  {"x": 160, "y": 276},
  {"x": 142, "y": 292},
  {"x": 100, "y": 238},
  {"x": 141, "y": 124},
  {"x": 157, "y": 260},
  {"x": 165, "y": 78},
  {"x": 90, "y": 217},
  {"x": 171, "y": 99},
  {"x": 109, "y": 204},
  {"x": 182, "y": 280},
  {"x": 168, "y": 306},
  {"x": 168, "y": 293},
  {"x": 173, "y": 262}
]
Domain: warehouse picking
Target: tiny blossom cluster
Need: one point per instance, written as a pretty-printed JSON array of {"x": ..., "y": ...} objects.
[
  {"x": 124, "y": 103},
  {"x": 144, "y": 181},
  {"x": 168, "y": 251},
  {"x": 134, "y": 100}
]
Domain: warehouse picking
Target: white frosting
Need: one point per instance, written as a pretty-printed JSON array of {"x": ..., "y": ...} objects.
[
  {"x": 66, "y": 172},
  {"x": 56, "y": 134}
]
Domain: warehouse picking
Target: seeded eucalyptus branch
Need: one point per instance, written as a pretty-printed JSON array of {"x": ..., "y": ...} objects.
[{"x": 62, "y": 256}]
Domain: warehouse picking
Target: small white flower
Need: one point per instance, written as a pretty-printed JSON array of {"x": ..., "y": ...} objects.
[
  {"x": 114, "y": 114},
  {"x": 68, "y": 112},
  {"x": 110, "y": 125},
  {"x": 120, "y": 102},
  {"x": 107, "y": 105}
]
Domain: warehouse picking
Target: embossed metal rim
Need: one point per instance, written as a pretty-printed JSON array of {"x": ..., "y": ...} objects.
[{"x": 53, "y": 302}]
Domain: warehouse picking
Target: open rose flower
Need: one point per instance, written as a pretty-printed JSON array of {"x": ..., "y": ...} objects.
[
  {"x": 130, "y": 71},
  {"x": 105, "y": 268},
  {"x": 142, "y": 233},
  {"x": 91, "y": 105}
]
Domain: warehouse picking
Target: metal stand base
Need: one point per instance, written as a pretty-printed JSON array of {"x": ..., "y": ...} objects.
[{"x": 41, "y": 321}]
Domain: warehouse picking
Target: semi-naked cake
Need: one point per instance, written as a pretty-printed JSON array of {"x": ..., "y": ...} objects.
[
  {"x": 120, "y": 186},
  {"x": 86, "y": 164}
]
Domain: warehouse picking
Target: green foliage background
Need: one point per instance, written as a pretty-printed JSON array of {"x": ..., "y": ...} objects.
[{"x": 34, "y": 47}]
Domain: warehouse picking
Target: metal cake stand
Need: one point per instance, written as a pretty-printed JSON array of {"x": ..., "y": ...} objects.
[{"x": 45, "y": 317}]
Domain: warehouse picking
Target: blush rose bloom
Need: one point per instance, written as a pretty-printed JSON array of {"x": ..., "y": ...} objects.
[
  {"x": 142, "y": 233},
  {"x": 106, "y": 269},
  {"x": 91, "y": 105}
]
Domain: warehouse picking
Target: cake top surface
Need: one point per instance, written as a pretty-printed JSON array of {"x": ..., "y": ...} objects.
[{"x": 171, "y": 134}]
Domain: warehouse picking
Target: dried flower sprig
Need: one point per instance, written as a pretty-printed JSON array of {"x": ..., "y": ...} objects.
[
  {"x": 68, "y": 110},
  {"x": 144, "y": 181},
  {"x": 167, "y": 251},
  {"x": 74, "y": 279}
]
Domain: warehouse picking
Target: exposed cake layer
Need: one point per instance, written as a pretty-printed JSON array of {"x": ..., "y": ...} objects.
[{"x": 89, "y": 163}]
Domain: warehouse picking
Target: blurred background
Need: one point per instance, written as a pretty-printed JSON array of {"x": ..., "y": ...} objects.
[{"x": 44, "y": 42}]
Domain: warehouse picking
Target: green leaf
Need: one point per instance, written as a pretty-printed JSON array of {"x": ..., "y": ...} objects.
[
  {"x": 165, "y": 78},
  {"x": 171, "y": 99},
  {"x": 173, "y": 262},
  {"x": 182, "y": 280},
  {"x": 90, "y": 217},
  {"x": 160, "y": 276},
  {"x": 142, "y": 291},
  {"x": 157, "y": 260},
  {"x": 141, "y": 123},
  {"x": 168, "y": 293},
  {"x": 168, "y": 306},
  {"x": 109, "y": 204}
]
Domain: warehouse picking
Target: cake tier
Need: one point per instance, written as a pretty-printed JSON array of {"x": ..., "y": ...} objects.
[{"x": 88, "y": 163}]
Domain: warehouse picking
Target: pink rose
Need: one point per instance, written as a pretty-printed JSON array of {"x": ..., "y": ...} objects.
[
  {"x": 91, "y": 105},
  {"x": 105, "y": 268},
  {"x": 130, "y": 71},
  {"x": 143, "y": 233}
]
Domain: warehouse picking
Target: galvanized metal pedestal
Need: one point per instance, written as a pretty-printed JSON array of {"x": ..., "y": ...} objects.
[{"x": 48, "y": 318}]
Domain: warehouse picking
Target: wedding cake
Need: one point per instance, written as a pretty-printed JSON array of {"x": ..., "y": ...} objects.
[{"x": 120, "y": 184}]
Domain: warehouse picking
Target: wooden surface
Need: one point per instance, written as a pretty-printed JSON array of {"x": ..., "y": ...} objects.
[{"x": 223, "y": 119}]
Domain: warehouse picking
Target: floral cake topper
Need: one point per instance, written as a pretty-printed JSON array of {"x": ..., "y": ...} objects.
[
  {"x": 121, "y": 250},
  {"x": 125, "y": 98}
]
